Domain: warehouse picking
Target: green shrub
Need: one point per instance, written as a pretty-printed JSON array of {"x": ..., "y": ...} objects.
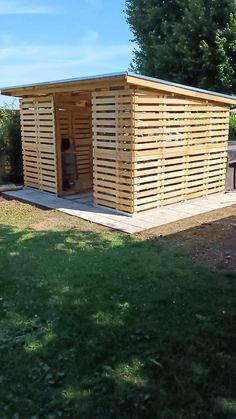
[
  {"x": 232, "y": 127},
  {"x": 10, "y": 144}
]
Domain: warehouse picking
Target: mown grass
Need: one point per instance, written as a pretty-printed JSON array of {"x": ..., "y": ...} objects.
[{"x": 105, "y": 325}]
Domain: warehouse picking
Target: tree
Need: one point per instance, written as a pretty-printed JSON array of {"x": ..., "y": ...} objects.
[
  {"x": 10, "y": 142},
  {"x": 186, "y": 41}
]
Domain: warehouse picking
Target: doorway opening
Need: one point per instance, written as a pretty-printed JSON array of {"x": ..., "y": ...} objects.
[{"x": 74, "y": 143}]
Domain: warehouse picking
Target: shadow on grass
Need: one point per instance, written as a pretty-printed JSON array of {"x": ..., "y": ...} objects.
[{"x": 97, "y": 325}]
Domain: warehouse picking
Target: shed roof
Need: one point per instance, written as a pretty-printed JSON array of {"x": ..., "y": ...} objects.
[{"x": 88, "y": 82}]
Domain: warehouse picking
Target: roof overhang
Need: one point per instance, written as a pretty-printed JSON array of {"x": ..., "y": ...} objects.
[
  {"x": 91, "y": 82},
  {"x": 60, "y": 86},
  {"x": 176, "y": 88}
]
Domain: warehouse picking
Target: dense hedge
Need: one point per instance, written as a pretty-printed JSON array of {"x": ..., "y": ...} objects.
[
  {"x": 232, "y": 127},
  {"x": 10, "y": 145}
]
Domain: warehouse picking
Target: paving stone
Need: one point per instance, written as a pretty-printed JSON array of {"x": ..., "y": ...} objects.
[{"x": 78, "y": 207}]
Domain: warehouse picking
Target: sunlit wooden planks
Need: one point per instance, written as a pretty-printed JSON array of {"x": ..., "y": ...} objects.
[
  {"x": 112, "y": 149},
  {"x": 137, "y": 149},
  {"x": 179, "y": 148},
  {"x": 38, "y": 142},
  {"x": 152, "y": 150}
]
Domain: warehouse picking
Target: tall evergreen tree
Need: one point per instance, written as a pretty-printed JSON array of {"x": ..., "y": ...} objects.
[{"x": 186, "y": 41}]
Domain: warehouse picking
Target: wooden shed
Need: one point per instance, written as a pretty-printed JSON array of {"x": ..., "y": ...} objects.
[{"x": 136, "y": 143}]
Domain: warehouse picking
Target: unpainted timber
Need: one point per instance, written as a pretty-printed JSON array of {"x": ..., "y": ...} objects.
[{"x": 103, "y": 81}]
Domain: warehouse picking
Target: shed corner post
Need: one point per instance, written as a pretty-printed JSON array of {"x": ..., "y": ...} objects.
[
  {"x": 22, "y": 140},
  {"x": 134, "y": 172},
  {"x": 58, "y": 167},
  {"x": 226, "y": 156},
  {"x": 94, "y": 125}
]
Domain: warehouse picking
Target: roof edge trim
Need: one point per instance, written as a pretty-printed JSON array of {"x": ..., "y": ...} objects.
[
  {"x": 181, "y": 86},
  {"x": 72, "y": 80},
  {"x": 17, "y": 90}
]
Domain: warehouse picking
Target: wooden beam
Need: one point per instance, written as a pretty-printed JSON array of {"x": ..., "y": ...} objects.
[
  {"x": 162, "y": 87},
  {"x": 63, "y": 87}
]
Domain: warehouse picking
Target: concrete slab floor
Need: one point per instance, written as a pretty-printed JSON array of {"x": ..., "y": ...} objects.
[{"x": 81, "y": 206}]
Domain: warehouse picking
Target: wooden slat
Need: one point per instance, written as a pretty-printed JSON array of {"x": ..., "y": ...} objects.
[
  {"x": 112, "y": 149},
  {"x": 180, "y": 148},
  {"x": 38, "y": 142},
  {"x": 150, "y": 148}
]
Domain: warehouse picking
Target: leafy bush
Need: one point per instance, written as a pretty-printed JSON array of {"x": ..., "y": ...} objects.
[
  {"x": 232, "y": 127},
  {"x": 10, "y": 144}
]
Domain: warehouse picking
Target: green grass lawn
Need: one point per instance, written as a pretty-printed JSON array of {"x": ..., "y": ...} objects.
[{"x": 97, "y": 324}]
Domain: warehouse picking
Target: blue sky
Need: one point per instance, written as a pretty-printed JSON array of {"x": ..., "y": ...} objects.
[{"x": 44, "y": 40}]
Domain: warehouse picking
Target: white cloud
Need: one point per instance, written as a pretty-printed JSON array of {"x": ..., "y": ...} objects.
[
  {"x": 93, "y": 2},
  {"x": 14, "y": 7},
  {"x": 90, "y": 36},
  {"x": 34, "y": 63},
  {"x": 27, "y": 54}
]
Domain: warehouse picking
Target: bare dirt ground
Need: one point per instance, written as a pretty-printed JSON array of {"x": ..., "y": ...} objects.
[{"x": 209, "y": 238}]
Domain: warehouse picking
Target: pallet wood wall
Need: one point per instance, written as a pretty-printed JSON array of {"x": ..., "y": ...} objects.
[
  {"x": 38, "y": 142},
  {"x": 180, "y": 148},
  {"x": 73, "y": 116},
  {"x": 112, "y": 149},
  {"x": 152, "y": 150},
  {"x": 149, "y": 149}
]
